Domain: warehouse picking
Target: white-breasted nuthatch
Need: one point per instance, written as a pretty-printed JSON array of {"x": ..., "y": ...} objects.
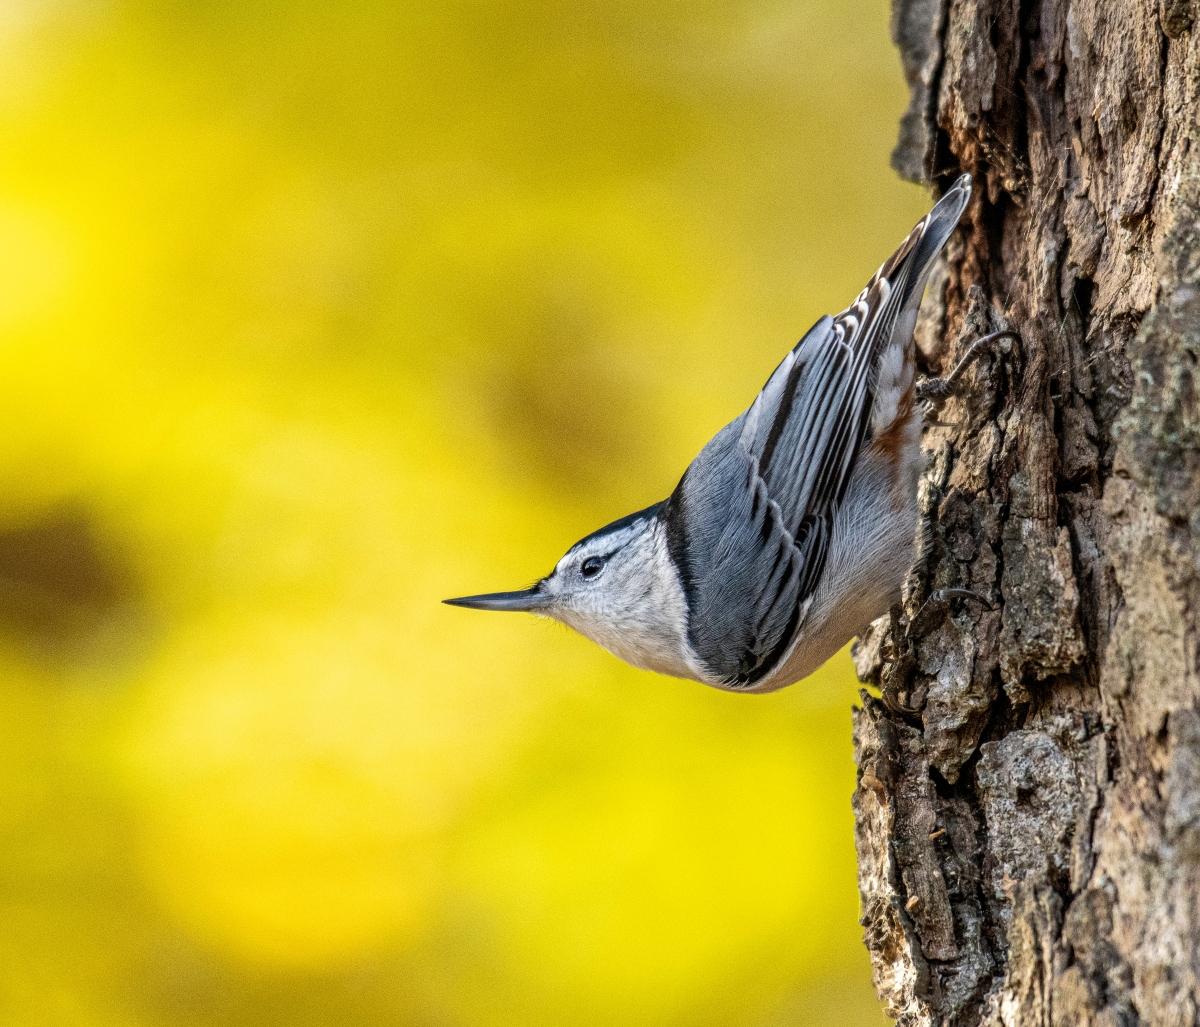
[{"x": 796, "y": 524}]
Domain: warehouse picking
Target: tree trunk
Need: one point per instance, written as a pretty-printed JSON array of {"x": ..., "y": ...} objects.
[{"x": 1028, "y": 807}]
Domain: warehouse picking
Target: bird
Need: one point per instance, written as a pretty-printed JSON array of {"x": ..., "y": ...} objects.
[{"x": 797, "y": 522}]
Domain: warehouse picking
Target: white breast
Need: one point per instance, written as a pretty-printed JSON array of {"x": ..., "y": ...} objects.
[{"x": 870, "y": 552}]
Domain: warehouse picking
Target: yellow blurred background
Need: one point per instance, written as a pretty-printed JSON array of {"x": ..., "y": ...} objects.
[{"x": 311, "y": 315}]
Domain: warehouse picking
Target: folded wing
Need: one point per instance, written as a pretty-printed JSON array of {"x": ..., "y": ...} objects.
[{"x": 750, "y": 522}]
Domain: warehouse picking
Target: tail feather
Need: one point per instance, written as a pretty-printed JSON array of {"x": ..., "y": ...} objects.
[
  {"x": 909, "y": 267},
  {"x": 938, "y": 225}
]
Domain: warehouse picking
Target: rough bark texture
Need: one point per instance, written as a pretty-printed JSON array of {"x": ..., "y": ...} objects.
[{"x": 1028, "y": 829}]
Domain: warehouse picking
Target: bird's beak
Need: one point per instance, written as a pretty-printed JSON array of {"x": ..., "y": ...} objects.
[{"x": 527, "y": 599}]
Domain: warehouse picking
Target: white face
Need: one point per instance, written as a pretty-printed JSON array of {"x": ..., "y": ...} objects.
[{"x": 620, "y": 589}]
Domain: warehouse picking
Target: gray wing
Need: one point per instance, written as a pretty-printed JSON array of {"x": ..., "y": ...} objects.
[{"x": 749, "y": 524}]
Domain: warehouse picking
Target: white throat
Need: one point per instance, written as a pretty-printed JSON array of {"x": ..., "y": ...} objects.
[{"x": 642, "y": 616}]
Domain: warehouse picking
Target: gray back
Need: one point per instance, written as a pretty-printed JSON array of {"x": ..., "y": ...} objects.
[{"x": 749, "y": 524}]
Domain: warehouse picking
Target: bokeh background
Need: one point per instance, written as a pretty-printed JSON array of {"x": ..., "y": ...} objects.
[{"x": 311, "y": 315}]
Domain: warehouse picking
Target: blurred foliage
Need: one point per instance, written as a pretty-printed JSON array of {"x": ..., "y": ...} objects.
[{"x": 312, "y": 314}]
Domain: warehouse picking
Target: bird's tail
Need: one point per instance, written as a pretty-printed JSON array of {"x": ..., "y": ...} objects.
[
  {"x": 895, "y": 289},
  {"x": 939, "y": 222},
  {"x": 931, "y": 233}
]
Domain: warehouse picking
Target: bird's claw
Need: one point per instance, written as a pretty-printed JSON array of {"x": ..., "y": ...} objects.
[
  {"x": 940, "y": 598},
  {"x": 944, "y": 595},
  {"x": 896, "y": 707},
  {"x": 935, "y": 391}
]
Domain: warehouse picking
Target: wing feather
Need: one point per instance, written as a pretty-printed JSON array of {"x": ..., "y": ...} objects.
[{"x": 750, "y": 523}]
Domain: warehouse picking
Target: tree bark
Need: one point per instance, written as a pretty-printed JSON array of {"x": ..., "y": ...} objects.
[{"x": 1028, "y": 806}]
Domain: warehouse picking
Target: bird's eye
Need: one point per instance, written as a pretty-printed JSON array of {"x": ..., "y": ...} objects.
[{"x": 591, "y": 566}]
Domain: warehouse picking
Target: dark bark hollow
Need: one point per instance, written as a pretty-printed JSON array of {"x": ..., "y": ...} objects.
[{"x": 1028, "y": 831}]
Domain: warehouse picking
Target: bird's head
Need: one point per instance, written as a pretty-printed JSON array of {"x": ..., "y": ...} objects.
[{"x": 619, "y": 587}]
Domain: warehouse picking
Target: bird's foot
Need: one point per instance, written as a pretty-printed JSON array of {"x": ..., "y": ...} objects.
[
  {"x": 899, "y": 709},
  {"x": 898, "y": 654},
  {"x": 944, "y": 595},
  {"x": 940, "y": 599},
  {"x": 935, "y": 391}
]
